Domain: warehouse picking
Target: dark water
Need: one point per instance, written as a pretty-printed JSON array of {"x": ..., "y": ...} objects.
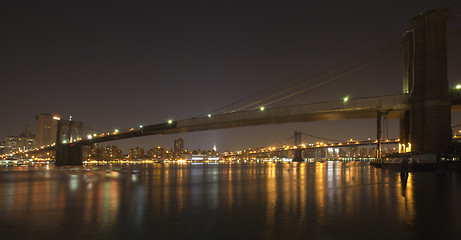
[{"x": 329, "y": 200}]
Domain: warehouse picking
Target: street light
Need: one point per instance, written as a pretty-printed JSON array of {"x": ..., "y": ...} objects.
[
  {"x": 262, "y": 108},
  {"x": 458, "y": 86},
  {"x": 345, "y": 99},
  {"x": 170, "y": 121}
]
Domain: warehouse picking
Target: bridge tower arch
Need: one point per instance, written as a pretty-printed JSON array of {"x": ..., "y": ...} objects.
[
  {"x": 427, "y": 124},
  {"x": 70, "y": 153}
]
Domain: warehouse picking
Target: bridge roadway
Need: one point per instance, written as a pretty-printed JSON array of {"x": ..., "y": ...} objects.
[{"x": 360, "y": 108}]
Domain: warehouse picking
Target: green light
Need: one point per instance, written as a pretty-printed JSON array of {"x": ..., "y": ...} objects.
[
  {"x": 345, "y": 99},
  {"x": 458, "y": 86},
  {"x": 262, "y": 108},
  {"x": 170, "y": 121}
]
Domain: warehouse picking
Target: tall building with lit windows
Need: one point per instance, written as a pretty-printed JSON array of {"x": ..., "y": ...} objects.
[
  {"x": 136, "y": 153},
  {"x": 178, "y": 151},
  {"x": 45, "y": 129}
]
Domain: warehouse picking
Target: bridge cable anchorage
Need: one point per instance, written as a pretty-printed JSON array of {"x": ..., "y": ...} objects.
[
  {"x": 328, "y": 80},
  {"x": 327, "y": 139},
  {"x": 372, "y": 43}
]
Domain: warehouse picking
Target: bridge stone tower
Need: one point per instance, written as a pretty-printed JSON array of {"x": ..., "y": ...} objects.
[
  {"x": 427, "y": 125},
  {"x": 69, "y": 153},
  {"x": 298, "y": 153}
]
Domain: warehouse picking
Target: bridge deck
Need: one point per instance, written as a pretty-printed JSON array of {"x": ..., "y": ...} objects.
[
  {"x": 337, "y": 110},
  {"x": 394, "y": 105},
  {"x": 360, "y": 108}
]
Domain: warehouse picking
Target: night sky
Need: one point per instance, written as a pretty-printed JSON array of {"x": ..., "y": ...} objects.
[{"x": 119, "y": 64}]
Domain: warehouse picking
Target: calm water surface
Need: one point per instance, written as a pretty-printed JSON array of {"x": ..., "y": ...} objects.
[{"x": 331, "y": 200}]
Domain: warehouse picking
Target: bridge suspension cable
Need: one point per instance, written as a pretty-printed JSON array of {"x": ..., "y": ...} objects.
[
  {"x": 317, "y": 68},
  {"x": 85, "y": 126},
  {"x": 279, "y": 143},
  {"x": 314, "y": 86},
  {"x": 317, "y": 137}
]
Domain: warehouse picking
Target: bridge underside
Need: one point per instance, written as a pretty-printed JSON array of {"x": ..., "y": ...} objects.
[{"x": 391, "y": 106}]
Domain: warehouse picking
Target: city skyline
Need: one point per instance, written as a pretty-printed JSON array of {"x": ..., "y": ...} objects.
[{"x": 120, "y": 66}]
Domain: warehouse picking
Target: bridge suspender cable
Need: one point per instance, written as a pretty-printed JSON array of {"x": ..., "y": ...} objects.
[
  {"x": 277, "y": 144},
  {"x": 327, "y": 139},
  {"x": 320, "y": 76},
  {"x": 312, "y": 70},
  {"x": 329, "y": 80}
]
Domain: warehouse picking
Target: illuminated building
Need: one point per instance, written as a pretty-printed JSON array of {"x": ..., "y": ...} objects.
[
  {"x": 363, "y": 152},
  {"x": 24, "y": 141},
  {"x": 45, "y": 129},
  {"x": 157, "y": 153},
  {"x": 179, "y": 148},
  {"x": 136, "y": 153},
  {"x": 179, "y": 145},
  {"x": 2, "y": 147}
]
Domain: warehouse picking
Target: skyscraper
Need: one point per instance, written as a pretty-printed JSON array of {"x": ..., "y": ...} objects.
[
  {"x": 179, "y": 145},
  {"x": 45, "y": 129},
  {"x": 178, "y": 148}
]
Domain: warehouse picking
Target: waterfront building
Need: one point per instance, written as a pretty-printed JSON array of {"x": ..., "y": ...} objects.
[
  {"x": 136, "y": 153},
  {"x": 24, "y": 141},
  {"x": 363, "y": 152},
  {"x": 2, "y": 147},
  {"x": 332, "y": 152},
  {"x": 157, "y": 153},
  {"x": 45, "y": 129},
  {"x": 179, "y": 145},
  {"x": 352, "y": 151},
  {"x": 178, "y": 150}
]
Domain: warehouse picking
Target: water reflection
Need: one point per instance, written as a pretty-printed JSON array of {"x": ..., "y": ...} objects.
[{"x": 270, "y": 200}]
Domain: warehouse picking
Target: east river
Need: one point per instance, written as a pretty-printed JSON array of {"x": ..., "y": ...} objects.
[{"x": 330, "y": 200}]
